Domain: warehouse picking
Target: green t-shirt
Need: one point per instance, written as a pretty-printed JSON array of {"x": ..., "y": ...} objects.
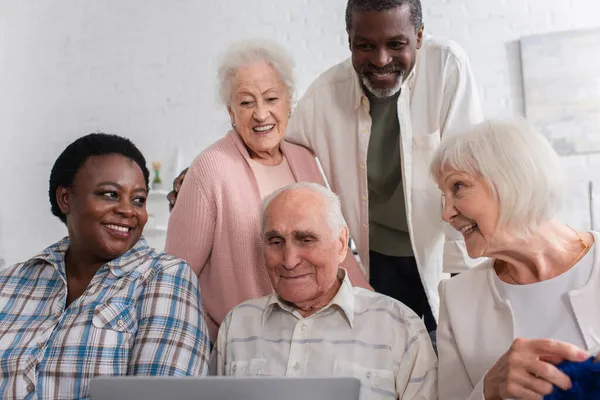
[{"x": 388, "y": 229}]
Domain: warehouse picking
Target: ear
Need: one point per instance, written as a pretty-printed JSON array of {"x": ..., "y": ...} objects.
[
  {"x": 349, "y": 41},
  {"x": 420, "y": 37},
  {"x": 63, "y": 198},
  {"x": 231, "y": 115},
  {"x": 343, "y": 244}
]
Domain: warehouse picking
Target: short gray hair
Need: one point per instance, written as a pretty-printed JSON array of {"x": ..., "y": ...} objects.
[
  {"x": 246, "y": 52},
  {"x": 416, "y": 13},
  {"x": 332, "y": 210},
  {"x": 518, "y": 163}
]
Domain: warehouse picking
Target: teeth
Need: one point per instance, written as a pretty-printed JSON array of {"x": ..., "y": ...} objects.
[
  {"x": 467, "y": 228},
  {"x": 383, "y": 73},
  {"x": 118, "y": 228},
  {"x": 263, "y": 128}
]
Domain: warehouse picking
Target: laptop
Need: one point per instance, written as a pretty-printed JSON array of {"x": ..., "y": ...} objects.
[{"x": 224, "y": 388}]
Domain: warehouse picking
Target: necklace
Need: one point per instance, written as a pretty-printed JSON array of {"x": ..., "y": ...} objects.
[{"x": 584, "y": 248}]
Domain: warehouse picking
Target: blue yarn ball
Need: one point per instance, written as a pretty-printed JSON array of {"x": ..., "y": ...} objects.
[{"x": 585, "y": 377}]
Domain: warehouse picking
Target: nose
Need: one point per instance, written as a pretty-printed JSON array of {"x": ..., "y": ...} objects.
[
  {"x": 125, "y": 208},
  {"x": 381, "y": 58},
  {"x": 261, "y": 112},
  {"x": 291, "y": 257},
  {"x": 449, "y": 212}
]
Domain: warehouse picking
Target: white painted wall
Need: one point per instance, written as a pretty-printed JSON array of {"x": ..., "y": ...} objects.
[{"x": 146, "y": 69}]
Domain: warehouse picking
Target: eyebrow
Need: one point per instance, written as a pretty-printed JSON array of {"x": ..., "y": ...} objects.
[
  {"x": 272, "y": 234},
  {"x": 304, "y": 234},
  {"x": 109, "y": 183},
  {"x": 246, "y": 93},
  {"x": 397, "y": 37},
  {"x": 449, "y": 177},
  {"x": 120, "y": 187},
  {"x": 273, "y": 89}
]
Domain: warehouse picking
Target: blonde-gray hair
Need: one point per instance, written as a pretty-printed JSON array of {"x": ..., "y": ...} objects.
[
  {"x": 519, "y": 164},
  {"x": 246, "y": 52}
]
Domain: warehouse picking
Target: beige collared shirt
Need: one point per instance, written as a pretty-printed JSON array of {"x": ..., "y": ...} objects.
[{"x": 359, "y": 334}]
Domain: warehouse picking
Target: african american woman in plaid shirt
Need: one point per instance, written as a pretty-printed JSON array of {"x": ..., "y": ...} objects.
[{"x": 100, "y": 301}]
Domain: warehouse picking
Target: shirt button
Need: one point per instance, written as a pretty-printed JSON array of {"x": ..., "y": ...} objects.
[
  {"x": 120, "y": 322},
  {"x": 30, "y": 387},
  {"x": 364, "y": 198},
  {"x": 363, "y": 101},
  {"x": 303, "y": 327},
  {"x": 297, "y": 366},
  {"x": 368, "y": 374},
  {"x": 40, "y": 346},
  {"x": 362, "y": 166}
]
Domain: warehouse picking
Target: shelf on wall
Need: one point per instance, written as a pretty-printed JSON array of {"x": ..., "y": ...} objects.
[{"x": 158, "y": 193}]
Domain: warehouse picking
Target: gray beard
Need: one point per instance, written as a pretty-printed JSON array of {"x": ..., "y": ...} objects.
[{"x": 383, "y": 93}]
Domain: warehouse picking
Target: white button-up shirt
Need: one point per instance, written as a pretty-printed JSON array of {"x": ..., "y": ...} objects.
[
  {"x": 358, "y": 334},
  {"x": 438, "y": 97}
]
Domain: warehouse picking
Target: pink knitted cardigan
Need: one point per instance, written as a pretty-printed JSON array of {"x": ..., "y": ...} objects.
[{"x": 215, "y": 225}]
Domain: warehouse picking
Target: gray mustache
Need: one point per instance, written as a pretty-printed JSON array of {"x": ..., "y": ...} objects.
[{"x": 385, "y": 70}]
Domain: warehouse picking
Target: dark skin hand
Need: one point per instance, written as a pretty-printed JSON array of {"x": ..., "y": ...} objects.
[{"x": 177, "y": 182}]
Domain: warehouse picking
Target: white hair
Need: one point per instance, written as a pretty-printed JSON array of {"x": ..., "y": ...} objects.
[
  {"x": 332, "y": 209},
  {"x": 246, "y": 52},
  {"x": 519, "y": 164}
]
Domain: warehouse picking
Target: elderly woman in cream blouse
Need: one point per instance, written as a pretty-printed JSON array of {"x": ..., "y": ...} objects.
[
  {"x": 535, "y": 302},
  {"x": 215, "y": 225}
]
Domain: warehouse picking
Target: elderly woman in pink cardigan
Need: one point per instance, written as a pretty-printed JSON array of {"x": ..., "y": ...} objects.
[{"x": 215, "y": 225}]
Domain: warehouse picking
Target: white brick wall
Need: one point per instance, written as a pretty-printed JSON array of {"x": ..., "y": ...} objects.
[{"x": 145, "y": 69}]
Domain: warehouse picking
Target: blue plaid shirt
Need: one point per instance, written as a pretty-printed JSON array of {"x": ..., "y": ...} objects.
[{"x": 140, "y": 315}]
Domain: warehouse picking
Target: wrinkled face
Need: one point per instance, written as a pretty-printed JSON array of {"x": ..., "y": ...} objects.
[
  {"x": 384, "y": 46},
  {"x": 471, "y": 208},
  {"x": 105, "y": 206},
  {"x": 302, "y": 255},
  {"x": 260, "y": 107}
]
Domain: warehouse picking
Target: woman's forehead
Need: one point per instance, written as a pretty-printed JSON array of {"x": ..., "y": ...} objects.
[{"x": 108, "y": 167}]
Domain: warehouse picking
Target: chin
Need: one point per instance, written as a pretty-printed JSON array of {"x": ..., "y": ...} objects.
[
  {"x": 475, "y": 252},
  {"x": 113, "y": 252},
  {"x": 116, "y": 250},
  {"x": 295, "y": 295}
]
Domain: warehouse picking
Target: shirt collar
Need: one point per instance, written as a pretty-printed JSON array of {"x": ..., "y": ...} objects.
[
  {"x": 344, "y": 299},
  {"x": 120, "y": 266},
  {"x": 55, "y": 254},
  {"x": 129, "y": 261}
]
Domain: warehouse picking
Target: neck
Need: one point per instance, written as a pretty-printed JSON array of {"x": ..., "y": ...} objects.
[
  {"x": 269, "y": 158},
  {"x": 309, "y": 307},
  {"x": 551, "y": 250},
  {"x": 80, "y": 265}
]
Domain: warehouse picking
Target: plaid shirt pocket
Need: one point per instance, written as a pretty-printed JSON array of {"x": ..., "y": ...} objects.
[{"x": 115, "y": 315}]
